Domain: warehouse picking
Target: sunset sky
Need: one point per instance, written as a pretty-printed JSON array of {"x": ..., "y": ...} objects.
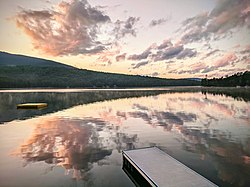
[{"x": 161, "y": 38}]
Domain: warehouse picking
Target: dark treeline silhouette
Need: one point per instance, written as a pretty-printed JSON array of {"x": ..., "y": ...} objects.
[
  {"x": 61, "y": 77},
  {"x": 241, "y": 93},
  {"x": 18, "y": 71},
  {"x": 238, "y": 79}
]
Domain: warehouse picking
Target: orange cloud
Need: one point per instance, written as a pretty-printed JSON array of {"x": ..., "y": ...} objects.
[
  {"x": 68, "y": 29},
  {"x": 225, "y": 16},
  {"x": 225, "y": 60}
]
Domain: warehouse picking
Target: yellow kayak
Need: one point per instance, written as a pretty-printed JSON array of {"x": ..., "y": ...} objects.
[{"x": 32, "y": 106}]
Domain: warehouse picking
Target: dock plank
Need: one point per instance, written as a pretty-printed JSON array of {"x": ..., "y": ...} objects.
[{"x": 163, "y": 169}]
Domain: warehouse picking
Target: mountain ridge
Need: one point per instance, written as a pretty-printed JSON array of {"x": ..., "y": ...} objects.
[
  {"x": 19, "y": 71},
  {"x": 9, "y": 59}
]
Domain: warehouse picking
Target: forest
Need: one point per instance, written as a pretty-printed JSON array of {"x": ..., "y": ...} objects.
[
  {"x": 237, "y": 79},
  {"x": 60, "y": 77},
  {"x": 19, "y": 71}
]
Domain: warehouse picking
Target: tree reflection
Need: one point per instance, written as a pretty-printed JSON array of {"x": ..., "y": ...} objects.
[{"x": 59, "y": 100}]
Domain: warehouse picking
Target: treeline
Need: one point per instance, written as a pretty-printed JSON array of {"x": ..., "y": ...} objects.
[
  {"x": 60, "y": 77},
  {"x": 238, "y": 79}
]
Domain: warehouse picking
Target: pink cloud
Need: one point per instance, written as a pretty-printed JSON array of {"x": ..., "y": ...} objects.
[
  {"x": 120, "y": 57},
  {"x": 107, "y": 56},
  {"x": 225, "y": 60},
  {"x": 197, "y": 67},
  {"x": 246, "y": 50},
  {"x": 226, "y": 15},
  {"x": 70, "y": 28}
]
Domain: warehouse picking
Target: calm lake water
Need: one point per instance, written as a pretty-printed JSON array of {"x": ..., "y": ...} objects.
[{"x": 78, "y": 139}]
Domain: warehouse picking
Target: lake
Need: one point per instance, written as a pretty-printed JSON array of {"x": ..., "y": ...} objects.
[{"x": 78, "y": 139}]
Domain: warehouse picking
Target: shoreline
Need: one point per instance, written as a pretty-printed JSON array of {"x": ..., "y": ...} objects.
[{"x": 216, "y": 90}]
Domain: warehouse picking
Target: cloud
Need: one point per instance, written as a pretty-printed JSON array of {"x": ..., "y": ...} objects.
[
  {"x": 168, "y": 53},
  {"x": 139, "y": 64},
  {"x": 246, "y": 50},
  {"x": 209, "y": 69},
  {"x": 106, "y": 57},
  {"x": 210, "y": 53},
  {"x": 155, "y": 74},
  {"x": 169, "y": 61},
  {"x": 192, "y": 28},
  {"x": 165, "y": 44},
  {"x": 197, "y": 67},
  {"x": 201, "y": 67},
  {"x": 123, "y": 28},
  {"x": 120, "y": 57},
  {"x": 157, "y": 22},
  {"x": 226, "y": 60},
  {"x": 70, "y": 28},
  {"x": 193, "y": 69},
  {"x": 165, "y": 51},
  {"x": 105, "y": 60},
  {"x": 233, "y": 70},
  {"x": 186, "y": 53},
  {"x": 171, "y": 52},
  {"x": 143, "y": 55},
  {"x": 227, "y": 15}
]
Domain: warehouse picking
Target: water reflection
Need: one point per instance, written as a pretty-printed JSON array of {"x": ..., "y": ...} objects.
[
  {"x": 72, "y": 144},
  {"x": 58, "y": 101},
  {"x": 210, "y": 134},
  {"x": 162, "y": 118},
  {"x": 228, "y": 157}
]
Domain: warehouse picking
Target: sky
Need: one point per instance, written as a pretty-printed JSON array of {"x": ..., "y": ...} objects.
[{"x": 159, "y": 38}]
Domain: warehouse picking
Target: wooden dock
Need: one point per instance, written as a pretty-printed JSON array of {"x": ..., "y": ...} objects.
[{"x": 153, "y": 167}]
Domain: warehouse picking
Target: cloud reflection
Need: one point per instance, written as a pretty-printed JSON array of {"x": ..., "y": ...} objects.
[
  {"x": 213, "y": 127},
  {"x": 228, "y": 157},
  {"x": 166, "y": 119},
  {"x": 72, "y": 144}
]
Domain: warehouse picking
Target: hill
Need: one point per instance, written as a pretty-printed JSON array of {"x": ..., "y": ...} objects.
[
  {"x": 237, "y": 79},
  {"x": 17, "y": 71},
  {"x": 7, "y": 59}
]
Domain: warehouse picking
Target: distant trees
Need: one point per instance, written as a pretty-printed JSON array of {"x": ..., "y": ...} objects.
[
  {"x": 238, "y": 79},
  {"x": 28, "y": 76},
  {"x": 61, "y": 77}
]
